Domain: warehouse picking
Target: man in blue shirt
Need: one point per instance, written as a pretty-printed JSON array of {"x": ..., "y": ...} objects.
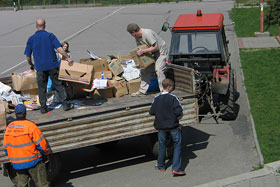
[{"x": 42, "y": 44}]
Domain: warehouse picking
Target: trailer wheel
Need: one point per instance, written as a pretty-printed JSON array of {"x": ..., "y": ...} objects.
[
  {"x": 11, "y": 173},
  {"x": 169, "y": 147},
  {"x": 169, "y": 150},
  {"x": 228, "y": 109},
  {"x": 53, "y": 166}
]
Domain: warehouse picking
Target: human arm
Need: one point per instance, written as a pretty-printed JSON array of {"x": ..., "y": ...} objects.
[
  {"x": 28, "y": 52},
  {"x": 29, "y": 60},
  {"x": 5, "y": 147},
  {"x": 67, "y": 57},
  {"x": 40, "y": 141},
  {"x": 178, "y": 109},
  {"x": 152, "y": 109}
]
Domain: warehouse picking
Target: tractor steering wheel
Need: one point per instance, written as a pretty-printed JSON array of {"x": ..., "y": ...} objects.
[{"x": 200, "y": 47}]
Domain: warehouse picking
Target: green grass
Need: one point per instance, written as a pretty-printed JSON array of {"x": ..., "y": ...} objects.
[
  {"x": 247, "y": 22},
  {"x": 262, "y": 80}
]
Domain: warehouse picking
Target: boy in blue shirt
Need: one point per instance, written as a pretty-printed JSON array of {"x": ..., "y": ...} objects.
[{"x": 167, "y": 110}]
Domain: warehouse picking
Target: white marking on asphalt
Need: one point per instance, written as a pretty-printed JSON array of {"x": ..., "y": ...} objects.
[
  {"x": 13, "y": 46},
  {"x": 69, "y": 37}
]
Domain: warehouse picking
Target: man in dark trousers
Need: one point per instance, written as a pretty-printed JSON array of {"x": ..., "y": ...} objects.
[
  {"x": 42, "y": 45},
  {"x": 25, "y": 146},
  {"x": 167, "y": 110}
]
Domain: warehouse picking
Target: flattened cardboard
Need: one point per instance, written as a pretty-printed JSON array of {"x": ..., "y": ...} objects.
[
  {"x": 2, "y": 117},
  {"x": 98, "y": 65},
  {"x": 119, "y": 85},
  {"x": 144, "y": 60},
  {"x": 115, "y": 67},
  {"x": 81, "y": 73},
  {"x": 21, "y": 82},
  {"x": 133, "y": 85}
]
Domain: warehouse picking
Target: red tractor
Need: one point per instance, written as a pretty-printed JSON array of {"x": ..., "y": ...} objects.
[{"x": 199, "y": 42}]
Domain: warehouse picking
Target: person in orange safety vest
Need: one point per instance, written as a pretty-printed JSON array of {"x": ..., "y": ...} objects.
[{"x": 25, "y": 146}]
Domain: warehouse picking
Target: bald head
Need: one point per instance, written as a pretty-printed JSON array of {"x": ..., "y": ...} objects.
[{"x": 40, "y": 24}]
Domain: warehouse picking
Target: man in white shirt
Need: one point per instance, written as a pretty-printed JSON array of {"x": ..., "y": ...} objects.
[{"x": 156, "y": 46}]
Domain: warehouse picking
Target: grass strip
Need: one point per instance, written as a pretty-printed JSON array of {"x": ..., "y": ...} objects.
[
  {"x": 261, "y": 70},
  {"x": 247, "y": 22}
]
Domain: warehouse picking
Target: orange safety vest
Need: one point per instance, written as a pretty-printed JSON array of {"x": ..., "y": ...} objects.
[{"x": 23, "y": 142}]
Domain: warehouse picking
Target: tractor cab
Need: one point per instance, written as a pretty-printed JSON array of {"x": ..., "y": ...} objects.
[{"x": 198, "y": 41}]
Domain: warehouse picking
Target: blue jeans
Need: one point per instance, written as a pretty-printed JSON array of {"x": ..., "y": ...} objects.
[{"x": 177, "y": 140}]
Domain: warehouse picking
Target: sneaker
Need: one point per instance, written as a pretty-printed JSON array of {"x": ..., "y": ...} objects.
[
  {"x": 178, "y": 173},
  {"x": 68, "y": 107},
  {"x": 137, "y": 94},
  {"x": 159, "y": 169}
]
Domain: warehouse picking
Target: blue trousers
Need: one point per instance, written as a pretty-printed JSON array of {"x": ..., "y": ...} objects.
[{"x": 177, "y": 140}]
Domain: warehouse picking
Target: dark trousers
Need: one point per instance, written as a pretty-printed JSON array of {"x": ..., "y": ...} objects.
[
  {"x": 42, "y": 80},
  {"x": 38, "y": 173}
]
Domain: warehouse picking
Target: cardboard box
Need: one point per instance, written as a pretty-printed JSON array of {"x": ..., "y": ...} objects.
[
  {"x": 76, "y": 90},
  {"x": 30, "y": 93},
  {"x": 115, "y": 67},
  {"x": 119, "y": 85},
  {"x": 98, "y": 65},
  {"x": 133, "y": 85},
  {"x": 6, "y": 105},
  {"x": 103, "y": 75},
  {"x": 81, "y": 73},
  {"x": 24, "y": 82},
  {"x": 104, "y": 93},
  {"x": 144, "y": 60},
  {"x": 2, "y": 117}
]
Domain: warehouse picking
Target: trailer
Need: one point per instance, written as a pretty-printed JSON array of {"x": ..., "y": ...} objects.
[{"x": 114, "y": 120}]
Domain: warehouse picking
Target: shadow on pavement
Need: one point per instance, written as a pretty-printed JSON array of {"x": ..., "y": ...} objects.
[{"x": 127, "y": 152}]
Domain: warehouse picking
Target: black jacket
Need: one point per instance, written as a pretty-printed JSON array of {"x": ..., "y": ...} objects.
[{"x": 166, "y": 108}]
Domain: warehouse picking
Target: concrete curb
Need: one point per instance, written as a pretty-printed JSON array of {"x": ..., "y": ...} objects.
[
  {"x": 237, "y": 178},
  {"x": 269, "y": 169},
  {"x": 273, "y": 167}
]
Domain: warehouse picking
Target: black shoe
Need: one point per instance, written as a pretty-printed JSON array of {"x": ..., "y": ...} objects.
[
  {"x": 68, "y": 107},
  {"x": 44, "y": 110}
]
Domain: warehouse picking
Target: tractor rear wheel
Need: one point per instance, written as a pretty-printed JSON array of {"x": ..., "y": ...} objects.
[{"x": 228, "y": 106}]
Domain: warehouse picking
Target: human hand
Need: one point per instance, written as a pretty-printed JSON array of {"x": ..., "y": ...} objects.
[
  {"x": 46, "y": 159},
  {"x": 70, "y": 61},
  {"x": 140, "y": 52},
  {"x": 32, "y": 67}
]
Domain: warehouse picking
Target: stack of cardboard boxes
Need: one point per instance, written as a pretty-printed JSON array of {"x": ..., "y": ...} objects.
[{"x": 103, "y": 76}]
